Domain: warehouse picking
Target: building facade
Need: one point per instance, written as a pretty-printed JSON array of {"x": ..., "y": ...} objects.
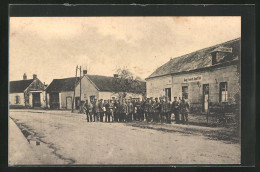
[
  {"x": 208, "y": 78},
  {"x": 60, "y": 92},
  {"x": 27, "y": 93},
  {"x": 103, "y": 87}
]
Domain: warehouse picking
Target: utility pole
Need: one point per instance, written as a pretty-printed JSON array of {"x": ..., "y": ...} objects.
[
  {"x": 74, "y": 90},
  {"x": 80, "y": 88}
]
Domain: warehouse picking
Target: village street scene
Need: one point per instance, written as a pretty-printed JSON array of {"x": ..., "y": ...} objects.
[{"x": 111, "y": 91}]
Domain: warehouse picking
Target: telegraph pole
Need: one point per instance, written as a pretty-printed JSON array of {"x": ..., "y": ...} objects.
[
  {"x": 74, "y": 90},
  {"x": 80, "y": 88}
]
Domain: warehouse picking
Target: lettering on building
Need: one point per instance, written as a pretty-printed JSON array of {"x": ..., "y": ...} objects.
[{"x": 192, "y": 79}]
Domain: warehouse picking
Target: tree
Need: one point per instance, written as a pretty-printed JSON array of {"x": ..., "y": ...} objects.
[{"x": 125, "y": 82}]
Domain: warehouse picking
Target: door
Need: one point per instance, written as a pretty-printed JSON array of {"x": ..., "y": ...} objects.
[
  {"x": 69, "y": 102},
  {"x": 77, "y": 100},
  {"x": 168, "y": 93},
  {"x": 54, "y": 101},
  {"x": 36, "y": 99},
  {"x": 205, "y": 97}
]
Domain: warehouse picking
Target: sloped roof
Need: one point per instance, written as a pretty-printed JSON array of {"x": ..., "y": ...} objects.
[
  {"x": 19, "y": 86},
  {"x": 65, "y": 84},
  {"x": 196, "y": 60},
  {"x": 106, "y": 83}
]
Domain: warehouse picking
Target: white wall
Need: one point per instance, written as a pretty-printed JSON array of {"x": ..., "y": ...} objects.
[
  {"x": 12, "y": 98},
  {"x": 87, "y": 90},
  {"x": 155, "y": 86}
]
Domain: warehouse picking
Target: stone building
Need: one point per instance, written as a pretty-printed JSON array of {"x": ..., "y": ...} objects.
[
  {"x": 27, "y": 93},
  {"x": 208, "y": 77}
]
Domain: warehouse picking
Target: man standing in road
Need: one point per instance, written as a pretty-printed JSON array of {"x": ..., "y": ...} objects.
[
  {"x": 175, "y": 109},
  {"x": 124, "y": 110},
  {"x": 156, "y": 110},
  {"x": 185, "y": 109},
  {"x": 90, "y": 110},
  {"x": 85, "y": 108},
  {"x": 130, "y": 108},
  {"x": 101, "y": 112},
  {"x": 168, "y": 111}
]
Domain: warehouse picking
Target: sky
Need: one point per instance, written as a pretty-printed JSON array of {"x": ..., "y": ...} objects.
[{"x": 52, "y": 47}]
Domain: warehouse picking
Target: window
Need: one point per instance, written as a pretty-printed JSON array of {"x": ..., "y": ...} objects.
[
  {"x": 185, "y": 92},
  {"x": 223, "y": 94},
  {"x": 91, "y": 98},
  {"x": 168, "y": 93},
  {"x": 85, "y": 95},
  {"x": 17, "y": 99}
]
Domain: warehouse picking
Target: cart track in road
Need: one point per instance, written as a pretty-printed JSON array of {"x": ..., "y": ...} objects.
[
  {"x": 73, "y": 140},
  {"x": 30, "y": 135}
]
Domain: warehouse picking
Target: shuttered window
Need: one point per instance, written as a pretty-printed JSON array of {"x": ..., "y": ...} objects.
[{"x": 17, "y": 100}]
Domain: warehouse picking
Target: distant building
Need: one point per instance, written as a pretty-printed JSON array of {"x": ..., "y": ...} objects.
[
  {"x": 27, "y": 93},
  {"x": 207, "y": 78},
  {"x": 61, "y": 91}
]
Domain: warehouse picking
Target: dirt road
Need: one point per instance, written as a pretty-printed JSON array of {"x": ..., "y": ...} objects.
[{"x": 67, "y": 138}]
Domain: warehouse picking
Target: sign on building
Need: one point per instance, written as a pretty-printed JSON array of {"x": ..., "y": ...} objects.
[{"x": 193, "y": 79}]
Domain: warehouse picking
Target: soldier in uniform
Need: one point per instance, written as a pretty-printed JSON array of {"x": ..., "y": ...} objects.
[
  {"x": 137, "y": 112},
  {"x": 175, "y": 109},
  {"x": 146, "y": 108},
  {"x": 152, "y": 110},
  {"x": 85, "y": 108},
  {"x": 163, "y": 109},
  {"x": 106, "y": 108},
  {"x": 156, "y": 110},
  {"x": 130, "y": 110},
  {"x": 101, "y": 112},
  {"x": 94, "y": 110},
  {"x": 90, "y": 110},
  {"x": 116, "y": 111},
  {"x": 124, "y": 110},
  {"x": 184, "y": 109},
  {"x": 149, "y": 110},
  {"x": 111, "y": 110},
  {"x": 168, "y": 111},
  {"x": 142, "y": 110}
]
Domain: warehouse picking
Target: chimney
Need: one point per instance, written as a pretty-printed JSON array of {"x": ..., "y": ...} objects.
[
  {"x": 24, "y": 76},
  {"x": 85, "y": 72},
  {"x": 115, "y": 75},
  {"x": 34, "y": 76}
]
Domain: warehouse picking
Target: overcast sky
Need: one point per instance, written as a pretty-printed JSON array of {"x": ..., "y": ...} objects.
[{"x": 52, "y": 47}]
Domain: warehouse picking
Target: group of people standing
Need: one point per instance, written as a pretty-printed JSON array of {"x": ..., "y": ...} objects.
[{"x": 127, "y": 110}]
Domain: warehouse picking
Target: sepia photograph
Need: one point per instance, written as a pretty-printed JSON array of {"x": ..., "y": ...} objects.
[{"x": 124, "y": 90}]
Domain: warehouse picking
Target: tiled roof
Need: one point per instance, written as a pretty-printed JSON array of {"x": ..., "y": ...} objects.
[
  {"x": 65, "y": 84},
  {"x": 196, "y": 60},
  {"x": 19, "y": 86}
]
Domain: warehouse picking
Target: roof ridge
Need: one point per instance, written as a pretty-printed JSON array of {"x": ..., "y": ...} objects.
[
  {"x": 22, "y": 80},
  {"x": 66, "y": 78},
  {"x": 203, "y": 49}
]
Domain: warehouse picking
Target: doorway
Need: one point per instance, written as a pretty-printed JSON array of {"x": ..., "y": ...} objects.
[
  {"x": 77, "y": 102},
  {"x": 205, "y": 98},
  {"x": 36, "y": 99},
  {"x": 68, "y": 102},
  {"x": 54, "y": 101}
]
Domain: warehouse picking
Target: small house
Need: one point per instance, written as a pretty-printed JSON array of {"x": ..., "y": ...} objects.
[{"x": 27, "y": 93}]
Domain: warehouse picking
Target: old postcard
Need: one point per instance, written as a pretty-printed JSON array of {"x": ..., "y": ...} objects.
[{"x": 124, "y": 90}]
